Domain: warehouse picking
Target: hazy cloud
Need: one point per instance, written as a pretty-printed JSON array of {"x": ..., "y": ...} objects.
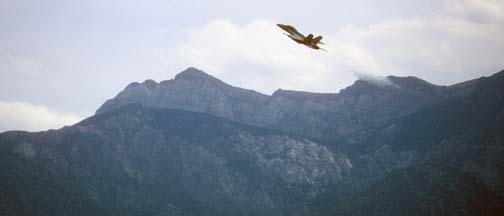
[
  {"x": 25, "y": 116},
  {"x": 441, "y": 49},
  {"x": 257, "y": 56},
  {"x": 486, "y": 11}
]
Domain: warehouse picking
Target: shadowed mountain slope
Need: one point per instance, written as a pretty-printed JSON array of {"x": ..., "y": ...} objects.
[
  {"x": 445, "y": 159},
  {"x": 137, "y": 160}
]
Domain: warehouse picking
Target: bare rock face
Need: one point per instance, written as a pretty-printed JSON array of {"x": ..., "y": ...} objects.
[
  {"x": 137, "y": 160},
  {"x": 192, "y": 90},
  {"x": 362, "y": 105}
]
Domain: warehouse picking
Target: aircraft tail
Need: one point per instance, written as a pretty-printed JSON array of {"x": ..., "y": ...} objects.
[
  {"x": 317, "y": 39},
  {"x": 309, "y": 38}
]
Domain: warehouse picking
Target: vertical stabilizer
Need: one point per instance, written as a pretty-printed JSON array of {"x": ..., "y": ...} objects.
[{"x": 309, "y": 38}]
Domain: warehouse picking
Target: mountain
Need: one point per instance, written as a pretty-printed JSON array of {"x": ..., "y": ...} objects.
[
  {"x": 464, "y": 130},
  {"x": 326, "y": 116},
  {"x": 136, "y": 160},
  {"x": 195, "y": 145},
  {"x": 425, "y": 189},
  {"x": 451, "y": 151}
]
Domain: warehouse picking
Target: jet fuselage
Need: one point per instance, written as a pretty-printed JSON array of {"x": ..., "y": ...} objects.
[{"x": 300, "y": 38}]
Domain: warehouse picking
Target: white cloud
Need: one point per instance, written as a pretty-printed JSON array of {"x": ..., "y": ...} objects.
[
  {"x": 444, "y": 49},
  {"x": 258, "y": 56},
  {"x": 25, "y": 116}
]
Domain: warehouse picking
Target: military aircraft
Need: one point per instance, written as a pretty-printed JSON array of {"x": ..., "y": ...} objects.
[{"x": 308, "y": 41}]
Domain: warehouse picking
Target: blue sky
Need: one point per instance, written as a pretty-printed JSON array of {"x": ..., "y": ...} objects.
[{"x": 60, "y": 60}]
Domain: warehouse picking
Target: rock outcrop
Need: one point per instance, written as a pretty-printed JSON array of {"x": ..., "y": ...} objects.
[{"x": 365, "y": 104}]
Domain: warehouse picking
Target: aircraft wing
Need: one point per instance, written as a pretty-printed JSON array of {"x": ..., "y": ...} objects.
[{"x": 291, "y": 30}]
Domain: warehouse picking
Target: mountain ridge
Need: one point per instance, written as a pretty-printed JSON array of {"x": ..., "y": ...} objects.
[{"x": 306, "y": 112}]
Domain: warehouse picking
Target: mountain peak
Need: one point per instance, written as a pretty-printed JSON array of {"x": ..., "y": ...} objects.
[
  {"x": 192, "y": 73},
  {"x": 150, "y": 84},
  {"x": 409, "y": 81}
]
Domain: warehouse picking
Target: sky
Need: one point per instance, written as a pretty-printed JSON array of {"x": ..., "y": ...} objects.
[{"x": 61, "y": 59}]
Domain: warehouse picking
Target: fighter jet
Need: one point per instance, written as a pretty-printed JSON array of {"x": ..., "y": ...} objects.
[{"x": 308, "y": 41}]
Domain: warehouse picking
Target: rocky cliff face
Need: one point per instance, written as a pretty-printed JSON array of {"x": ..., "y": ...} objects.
[
  {"x": 137, "y": 160},
  {"x": 455, "y": 145},
  {"x": 362, "y": 105}
]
